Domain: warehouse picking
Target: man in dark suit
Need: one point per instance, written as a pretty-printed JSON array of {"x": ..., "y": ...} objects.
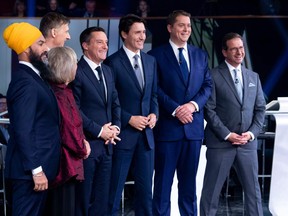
[
  {"x": 34, "y": 147},
  {"x": 135, "y": 78},
  {"x": 96, "y": 96},
  {"x": 235, "y": 115},
  {"x": 184, "y": 85}
]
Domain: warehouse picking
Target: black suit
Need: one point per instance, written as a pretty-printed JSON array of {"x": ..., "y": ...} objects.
[
  {"x": 96, "y": 111},
  {"x": 34, "y": 138}
]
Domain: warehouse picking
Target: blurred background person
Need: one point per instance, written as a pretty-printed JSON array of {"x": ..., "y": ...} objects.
[
  {"x": 90, "y": 9},
  {"x": 41, "y": 7},
  {"x": 143, "y": 9},
  {"x": 19, "y": 9},
  {"x": 62, "y": 62},
  {"x": 53, "y": 6}
]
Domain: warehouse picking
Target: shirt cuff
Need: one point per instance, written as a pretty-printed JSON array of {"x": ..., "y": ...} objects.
[
  {"x": 227, "y": 136},
  {"x": 37, "y": 170},
  {"x": 196, "y": 105},
  {"x": 116, "y": 127},
  {"x": 174, "y": 112},
  {"x": 99, "y": 135},
  {"x": 252, "y": 135}
]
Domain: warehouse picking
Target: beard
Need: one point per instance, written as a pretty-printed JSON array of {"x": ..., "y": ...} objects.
[{"x": 40, "y": 63}]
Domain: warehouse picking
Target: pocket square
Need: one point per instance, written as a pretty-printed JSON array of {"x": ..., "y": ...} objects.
[{"x": 251, "y": 84}]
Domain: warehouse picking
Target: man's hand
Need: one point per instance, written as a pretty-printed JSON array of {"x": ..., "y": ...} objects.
[
  {"x": 139, "y": 122},
  {"x": 110, "y": 134},
  {"x": 185, "y": 113},
  {"x": 40, "y": 181},
  {"x": 237, "y": 139},
  {"x": 152, "y": 120},
  {"x": 116, "y": 132},
  {"x": 88, "y": 149}
]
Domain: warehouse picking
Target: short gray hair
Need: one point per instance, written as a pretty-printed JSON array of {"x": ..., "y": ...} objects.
[{"x": 61, "y": 62}]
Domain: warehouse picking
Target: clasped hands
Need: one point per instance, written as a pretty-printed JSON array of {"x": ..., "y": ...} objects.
[
  {"x": 110, "y": 134},
  {"x": 141, "y": 122},
  {"x": 237, "y": 139},
  {"x": 185, "y": 113}
]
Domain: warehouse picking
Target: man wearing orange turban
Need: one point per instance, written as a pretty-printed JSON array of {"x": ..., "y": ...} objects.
[{"x": 34, "y": 147}]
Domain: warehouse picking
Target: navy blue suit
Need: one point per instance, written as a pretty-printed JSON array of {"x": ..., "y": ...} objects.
[
  {"x": 34, "y": 138},
  {"x": 136, "y": 147},
  {"x": 92, "y": 198},
  {"x": 178, "y": 145}
]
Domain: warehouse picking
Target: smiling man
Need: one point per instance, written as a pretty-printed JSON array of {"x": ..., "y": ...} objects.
[
  {"x": 97, "y": 99},
  {"x": 184, "y": 86},
  {"x": 235, "y": 115},
  {"x": 135, "y": 78}
]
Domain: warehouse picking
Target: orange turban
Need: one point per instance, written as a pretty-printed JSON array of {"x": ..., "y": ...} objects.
[{"x": 20, "y": 36}]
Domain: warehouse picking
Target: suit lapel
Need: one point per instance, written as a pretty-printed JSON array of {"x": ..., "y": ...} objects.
[
  {"x": 146, "y": 70},
  {"x": 91, "y": 76},
  {"x": 193, "y": 70},
  {"x": 173, "y": 60},
  {"x": 46, "y": 88},
  {"x": 224, "y": 70},
  {"x": 107, "y": 81},
  {"x": 128, "y": 67},
  {"x": 245, "y": 77}
]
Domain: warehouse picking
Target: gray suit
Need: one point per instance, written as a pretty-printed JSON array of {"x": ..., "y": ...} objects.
[{"x": 225, "y": 113}]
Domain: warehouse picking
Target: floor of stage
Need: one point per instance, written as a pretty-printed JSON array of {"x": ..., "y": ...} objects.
[{"x": 231, "y": 205}]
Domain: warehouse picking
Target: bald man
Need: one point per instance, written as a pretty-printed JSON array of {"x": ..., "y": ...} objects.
[{"x": 33, "y": 150}]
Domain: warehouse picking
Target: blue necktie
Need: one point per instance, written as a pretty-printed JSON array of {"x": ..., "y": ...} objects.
[
  {"x": 238, "y": 85},
  {"x": 183, "y": 65},
  {"x": 138, "y": 72}
]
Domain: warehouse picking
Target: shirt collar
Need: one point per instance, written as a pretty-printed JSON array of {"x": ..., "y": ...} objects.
[
  {"x": 131, "y": 54},
  {"x": 175, "y": 47},
  {"x": 91, "y": 64},
  {"x": 30, "y": 66},
  {"x": 231, "y": 68}
]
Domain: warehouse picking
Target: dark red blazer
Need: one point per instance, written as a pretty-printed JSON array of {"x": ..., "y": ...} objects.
[{"x": 72, "y": 146}]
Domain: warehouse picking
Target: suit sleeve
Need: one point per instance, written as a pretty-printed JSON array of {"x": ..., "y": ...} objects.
[
  {"x": 213, "y": 120},
  {"x": 154, "y": 95},
  {"x": 259, "y": 110},
  {"x": 23, "y": 117},
  {"x": 204, "y": 92},
  {"x": 116, "y": 109}
]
